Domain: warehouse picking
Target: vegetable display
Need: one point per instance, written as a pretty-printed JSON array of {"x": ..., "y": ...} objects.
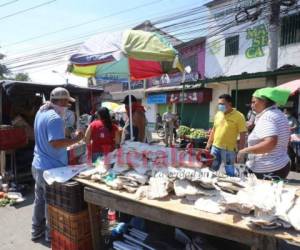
[{"x": 191, "y": 133}]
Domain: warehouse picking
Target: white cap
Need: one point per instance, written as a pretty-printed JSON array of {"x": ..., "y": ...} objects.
[{"x": 60, "y": 93}]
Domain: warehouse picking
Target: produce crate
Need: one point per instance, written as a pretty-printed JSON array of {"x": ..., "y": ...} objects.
[
  {"x": 12, "y": 138},
  {"x": 74, "y": 226},
  {"x": 61, "y": 242},
  {"x": 68, "y": 196}
]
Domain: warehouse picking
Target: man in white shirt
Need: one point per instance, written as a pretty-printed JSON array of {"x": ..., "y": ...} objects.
[{"x": 168, "y": 120}]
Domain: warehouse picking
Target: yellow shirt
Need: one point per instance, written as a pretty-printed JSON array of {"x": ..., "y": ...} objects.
[{"x": 227, "y": 129}]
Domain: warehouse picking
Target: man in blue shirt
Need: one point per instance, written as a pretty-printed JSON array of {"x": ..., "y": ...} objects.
[{"x": 49, "y": 152}]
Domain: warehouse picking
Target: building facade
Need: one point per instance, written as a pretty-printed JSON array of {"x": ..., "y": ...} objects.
[{"x": 238, "y": 48}]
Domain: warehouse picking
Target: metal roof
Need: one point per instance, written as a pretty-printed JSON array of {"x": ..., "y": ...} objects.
[{"x": 19, "y": 87}]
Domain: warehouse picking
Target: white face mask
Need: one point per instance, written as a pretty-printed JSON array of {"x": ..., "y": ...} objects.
[{"x": 60, "y": 110}]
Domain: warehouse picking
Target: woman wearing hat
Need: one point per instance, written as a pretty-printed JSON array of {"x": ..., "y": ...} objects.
[{"x": 268, "y": 142}]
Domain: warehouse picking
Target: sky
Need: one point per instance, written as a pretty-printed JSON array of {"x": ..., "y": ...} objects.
[{"x": 48, "y": 26}]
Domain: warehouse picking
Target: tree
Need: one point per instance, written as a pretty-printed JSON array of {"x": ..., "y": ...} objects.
[
  {"x": 3, "y": 71},
  {"x": 22, "y": 77}
]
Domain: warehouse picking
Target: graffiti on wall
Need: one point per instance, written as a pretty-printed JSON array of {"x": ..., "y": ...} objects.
[
  {"x": 214, "y": 47},
  {"x": 259, "y": 36}
]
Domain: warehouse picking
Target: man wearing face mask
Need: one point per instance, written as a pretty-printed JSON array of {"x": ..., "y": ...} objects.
[
  {"x": 49, "y": 152},
  {"x": 229, "y": 124}
]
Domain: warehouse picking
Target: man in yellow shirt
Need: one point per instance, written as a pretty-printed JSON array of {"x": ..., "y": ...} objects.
[{"x": 229, "y": 124}]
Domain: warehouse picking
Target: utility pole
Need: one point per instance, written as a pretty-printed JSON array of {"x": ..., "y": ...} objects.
[{"x": 274, "y": 22}]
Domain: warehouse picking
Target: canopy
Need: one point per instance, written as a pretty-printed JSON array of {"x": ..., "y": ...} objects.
[
  {"x": 292, "y": 86},
  {"x": 125, "y": 56},
  {"x": 133, "y": 54},
  {"x": 115, "y": 107}
]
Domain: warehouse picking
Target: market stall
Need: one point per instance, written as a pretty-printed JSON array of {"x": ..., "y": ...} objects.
[
  {"x": 19, "y": 102},
  {"x": 175, "y": 187},
  {"x": 197, "y": 138},
  {"x": 173, "y": 212}
]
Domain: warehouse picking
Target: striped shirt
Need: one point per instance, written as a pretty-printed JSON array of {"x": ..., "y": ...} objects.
[{"x": 271, "y": 122}]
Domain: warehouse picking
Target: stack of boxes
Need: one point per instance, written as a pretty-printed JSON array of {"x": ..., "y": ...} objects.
[{"x": 68, "y": 217}]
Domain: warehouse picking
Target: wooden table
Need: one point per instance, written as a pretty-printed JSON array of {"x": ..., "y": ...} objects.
[{"x": 174, "y": 212}]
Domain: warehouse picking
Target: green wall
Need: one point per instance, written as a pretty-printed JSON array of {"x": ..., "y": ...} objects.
[{"x": 194, "y": 115}]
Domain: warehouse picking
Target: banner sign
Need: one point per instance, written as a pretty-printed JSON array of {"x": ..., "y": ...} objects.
[
  {"x": 157, "y": 99},
  {"x": 196, "y": 96},
  {"x": 174, "y": 79}
]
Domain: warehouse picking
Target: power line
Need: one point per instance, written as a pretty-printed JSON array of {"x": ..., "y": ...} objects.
[
  {"x": 80, "y": 24},
  {"x": 26, "y": 10},
  {"x": 8, "y": 3},
  {"x": 65, "y": 52},
  {"x": 175, "y": 17},
  {"x": 108, "y": 28}
]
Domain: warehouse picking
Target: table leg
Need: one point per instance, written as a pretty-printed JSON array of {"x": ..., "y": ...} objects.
[
  {"x": 2, "y": 163},
  {"x": 265, "y": 243},
  {"x": 95, "y": 220}
]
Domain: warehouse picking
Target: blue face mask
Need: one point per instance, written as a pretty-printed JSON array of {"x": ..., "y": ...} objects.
[{"x": 222, "y": 108}]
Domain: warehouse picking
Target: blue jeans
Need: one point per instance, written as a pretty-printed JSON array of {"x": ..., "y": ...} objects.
[
  {"x": 222, "y": 155},
  {"x": 40, "y": 210}
]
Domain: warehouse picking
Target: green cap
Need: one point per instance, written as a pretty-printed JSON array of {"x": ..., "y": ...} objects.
[{"x": 277, "y": 95}]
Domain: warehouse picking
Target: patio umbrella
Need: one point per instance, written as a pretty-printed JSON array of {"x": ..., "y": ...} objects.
[
  {"x": 121, "y": 109},
  {"x": 111, "y": 106},
  {"x": 133, "y": 54},
  {"x": 292, "y": 86},
  {"x": 125, "y": 56}
]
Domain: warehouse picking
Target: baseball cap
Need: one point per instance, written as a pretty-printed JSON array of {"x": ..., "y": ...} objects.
[
  {"x": 60, "y": 93},
  {"x": 126, "y": 99}
]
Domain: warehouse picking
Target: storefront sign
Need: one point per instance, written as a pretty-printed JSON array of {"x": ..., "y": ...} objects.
[
  {"x": 117, "y": 79},
  {"x": 197, "y": 96},
  {"x": 157, "y": 99},
  {"x": 175, "y": 79},
  {"x": 134, "y": 85}
]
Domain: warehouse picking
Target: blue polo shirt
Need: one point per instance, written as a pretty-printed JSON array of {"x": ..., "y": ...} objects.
[{"x": 48, "y": 126}]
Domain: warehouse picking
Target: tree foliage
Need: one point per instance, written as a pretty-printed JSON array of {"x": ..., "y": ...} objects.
[
  {"x": 3, "y": 71},
  {"x": 22, "y": 77}
]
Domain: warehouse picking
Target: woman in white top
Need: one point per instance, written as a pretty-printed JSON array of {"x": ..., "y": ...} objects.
[{"x": 268, "y": 142}]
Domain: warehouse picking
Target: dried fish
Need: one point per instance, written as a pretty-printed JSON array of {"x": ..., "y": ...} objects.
[
  {"x": 142, "y": 179},
  {"x": 184, "y": 187},
  {"x": 115, "y": 184},
  {"x": 158, "y": 188},
  {"x": 142, "y": 192},
  {"x": 240, "y": 203},
  {"x": 210, "y": 205},
  {"x": 227, "y": 187},
  {"x": 294, "y": 216},
  {"x": 130, "y": 189}
]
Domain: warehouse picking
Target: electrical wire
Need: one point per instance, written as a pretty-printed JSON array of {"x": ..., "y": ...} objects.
[
  {"x": 214, "y": 33},
  {"x": 80, "y": 24},
  {"x": 26, "y": 10},
  {"x": 8, "y": 3},
  {"x": 174, "y": 17}
]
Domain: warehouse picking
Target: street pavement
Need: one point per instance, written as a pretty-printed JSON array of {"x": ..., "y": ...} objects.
[{"x": 15, "y": 226}]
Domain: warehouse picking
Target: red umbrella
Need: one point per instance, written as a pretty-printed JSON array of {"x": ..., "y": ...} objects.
[{"x": 292, "y": 86}]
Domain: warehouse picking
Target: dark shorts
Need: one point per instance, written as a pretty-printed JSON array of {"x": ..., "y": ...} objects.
[{"x": 281, "y": 173}]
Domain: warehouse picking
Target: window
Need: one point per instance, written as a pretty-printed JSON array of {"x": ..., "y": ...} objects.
[
  {"x": 191, "y": 61},
  {"x": 290, "y": 29},
  {"x": 232, "y": 46}
]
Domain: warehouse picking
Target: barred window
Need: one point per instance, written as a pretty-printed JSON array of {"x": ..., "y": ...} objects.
[
  {"x": 191, "y": 61},
  {"x": 290, "y": 29},
  {"x": 232, "y": 46}
]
